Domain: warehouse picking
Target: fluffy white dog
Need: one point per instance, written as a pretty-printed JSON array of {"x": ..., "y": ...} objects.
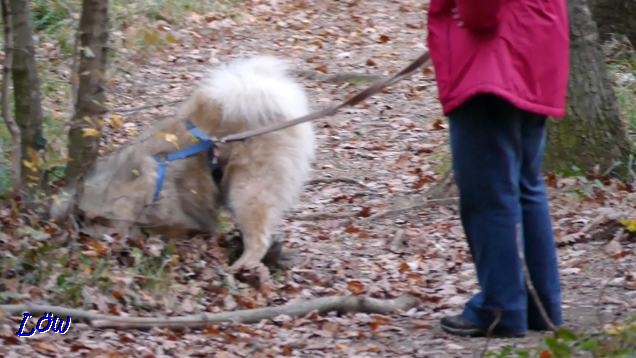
[{"x": 161, "y": 183}]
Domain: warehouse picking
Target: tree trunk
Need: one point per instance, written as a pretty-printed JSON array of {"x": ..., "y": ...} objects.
[
  {"x": 615, "y": 16},
  {"x": 26, "y": 88},
  {"x": 592, "y": 136},
  {"x": 91, "y": 97},
  {"x": 12, "y": 125}
]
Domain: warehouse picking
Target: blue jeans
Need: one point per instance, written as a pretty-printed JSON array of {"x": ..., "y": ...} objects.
[{"x": 497, "y": 152}]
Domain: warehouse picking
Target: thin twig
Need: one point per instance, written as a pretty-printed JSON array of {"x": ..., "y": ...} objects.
[
  {"x": 329, "y": 216},
  {"x": 529, "y": 284},
  {"x": 324, "y": 216},
  {"x": 338, "y": 78},
  {"x": 338, "y": 180},
  {"x": 619, "y": 234},
  {"x": 594, "y": 223},
  {"x": 424, "y": 204},
  {"x": 147, "y": 106},
  {"x": 490, "y": 331}
]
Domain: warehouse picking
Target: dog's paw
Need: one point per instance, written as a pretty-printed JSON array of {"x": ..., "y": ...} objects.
[
  {"x": 257, "y": 276},
  {"x": 243, "y": 265}
]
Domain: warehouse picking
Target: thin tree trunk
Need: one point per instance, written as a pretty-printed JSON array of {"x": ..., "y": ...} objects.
[
  {"x": 26, "y": 87},
  {"x": 12, "y": 125},
  {"x": 592, "y": 137},
  {"x": 91, "y": 97}
]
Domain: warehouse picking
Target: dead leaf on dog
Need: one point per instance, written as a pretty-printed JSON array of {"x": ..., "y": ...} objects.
[
  {"x": 172, "y": 139},
  {"x": 90, "y": 132}
]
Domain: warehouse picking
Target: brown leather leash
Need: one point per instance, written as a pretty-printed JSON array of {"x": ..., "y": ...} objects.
[{"x": 422, "y": 60}]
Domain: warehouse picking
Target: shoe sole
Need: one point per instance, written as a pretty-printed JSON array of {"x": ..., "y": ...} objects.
[
  {"x": 476, "y": 332},
  {"x": 463, "y": 332}
]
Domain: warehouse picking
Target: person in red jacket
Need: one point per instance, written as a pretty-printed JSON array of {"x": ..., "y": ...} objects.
[{"x": 501, "y": 68}]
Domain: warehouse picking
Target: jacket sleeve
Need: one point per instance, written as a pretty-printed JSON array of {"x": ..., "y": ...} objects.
[{"x": 479, "y": 15}]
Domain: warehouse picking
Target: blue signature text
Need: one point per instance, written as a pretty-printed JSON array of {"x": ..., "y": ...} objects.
[{"x": 44, "y": 324}]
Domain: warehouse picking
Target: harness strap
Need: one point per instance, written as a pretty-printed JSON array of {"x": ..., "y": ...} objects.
[
  {"x": 161, "y": 174},
  {"x": 204, "y": 144}
]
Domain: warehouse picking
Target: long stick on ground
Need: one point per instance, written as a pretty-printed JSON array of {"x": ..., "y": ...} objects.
[{"x": 341, "y": 304}]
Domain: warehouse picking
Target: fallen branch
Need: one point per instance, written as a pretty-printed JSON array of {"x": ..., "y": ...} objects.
[{"x": 341, "y": 304}]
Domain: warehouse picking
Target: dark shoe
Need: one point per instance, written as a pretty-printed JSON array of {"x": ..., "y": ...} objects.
[{"x": 459, "y": 326}]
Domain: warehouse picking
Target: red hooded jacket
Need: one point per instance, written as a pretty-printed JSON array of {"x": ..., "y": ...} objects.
[{"x": 516, "y": 49}]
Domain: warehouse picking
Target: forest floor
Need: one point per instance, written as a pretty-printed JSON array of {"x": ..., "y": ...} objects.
[{"x": 383, "y": 155}]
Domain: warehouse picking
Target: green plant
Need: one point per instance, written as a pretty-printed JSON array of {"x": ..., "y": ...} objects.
[{"x": 613, "y": 341}]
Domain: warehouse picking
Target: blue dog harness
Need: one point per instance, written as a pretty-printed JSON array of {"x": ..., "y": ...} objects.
[{"x": 205, "y": 143}]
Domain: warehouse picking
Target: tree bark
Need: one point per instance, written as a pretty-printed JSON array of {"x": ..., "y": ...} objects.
[
  {"x": 615, "y": 16},
  {"x": 592, "y": 137},
  {"x": 26, "y": 87},
  {"x": 91, "y": 97},
  {"x": 12, "y": 125}
]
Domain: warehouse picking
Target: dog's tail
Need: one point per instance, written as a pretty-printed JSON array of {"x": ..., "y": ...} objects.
[{"x": 254, "y": 92}]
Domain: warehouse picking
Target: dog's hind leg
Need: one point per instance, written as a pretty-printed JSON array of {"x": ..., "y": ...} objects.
[
  {"x": 255, "y": 220},
  {"x": 258, "y": 191}
]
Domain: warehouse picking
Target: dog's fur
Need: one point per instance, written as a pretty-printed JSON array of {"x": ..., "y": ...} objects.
[{"x": 263, "y": 176}]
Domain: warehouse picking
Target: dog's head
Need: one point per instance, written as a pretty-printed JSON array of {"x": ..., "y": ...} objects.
[{"x": 113, "y": 192}]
